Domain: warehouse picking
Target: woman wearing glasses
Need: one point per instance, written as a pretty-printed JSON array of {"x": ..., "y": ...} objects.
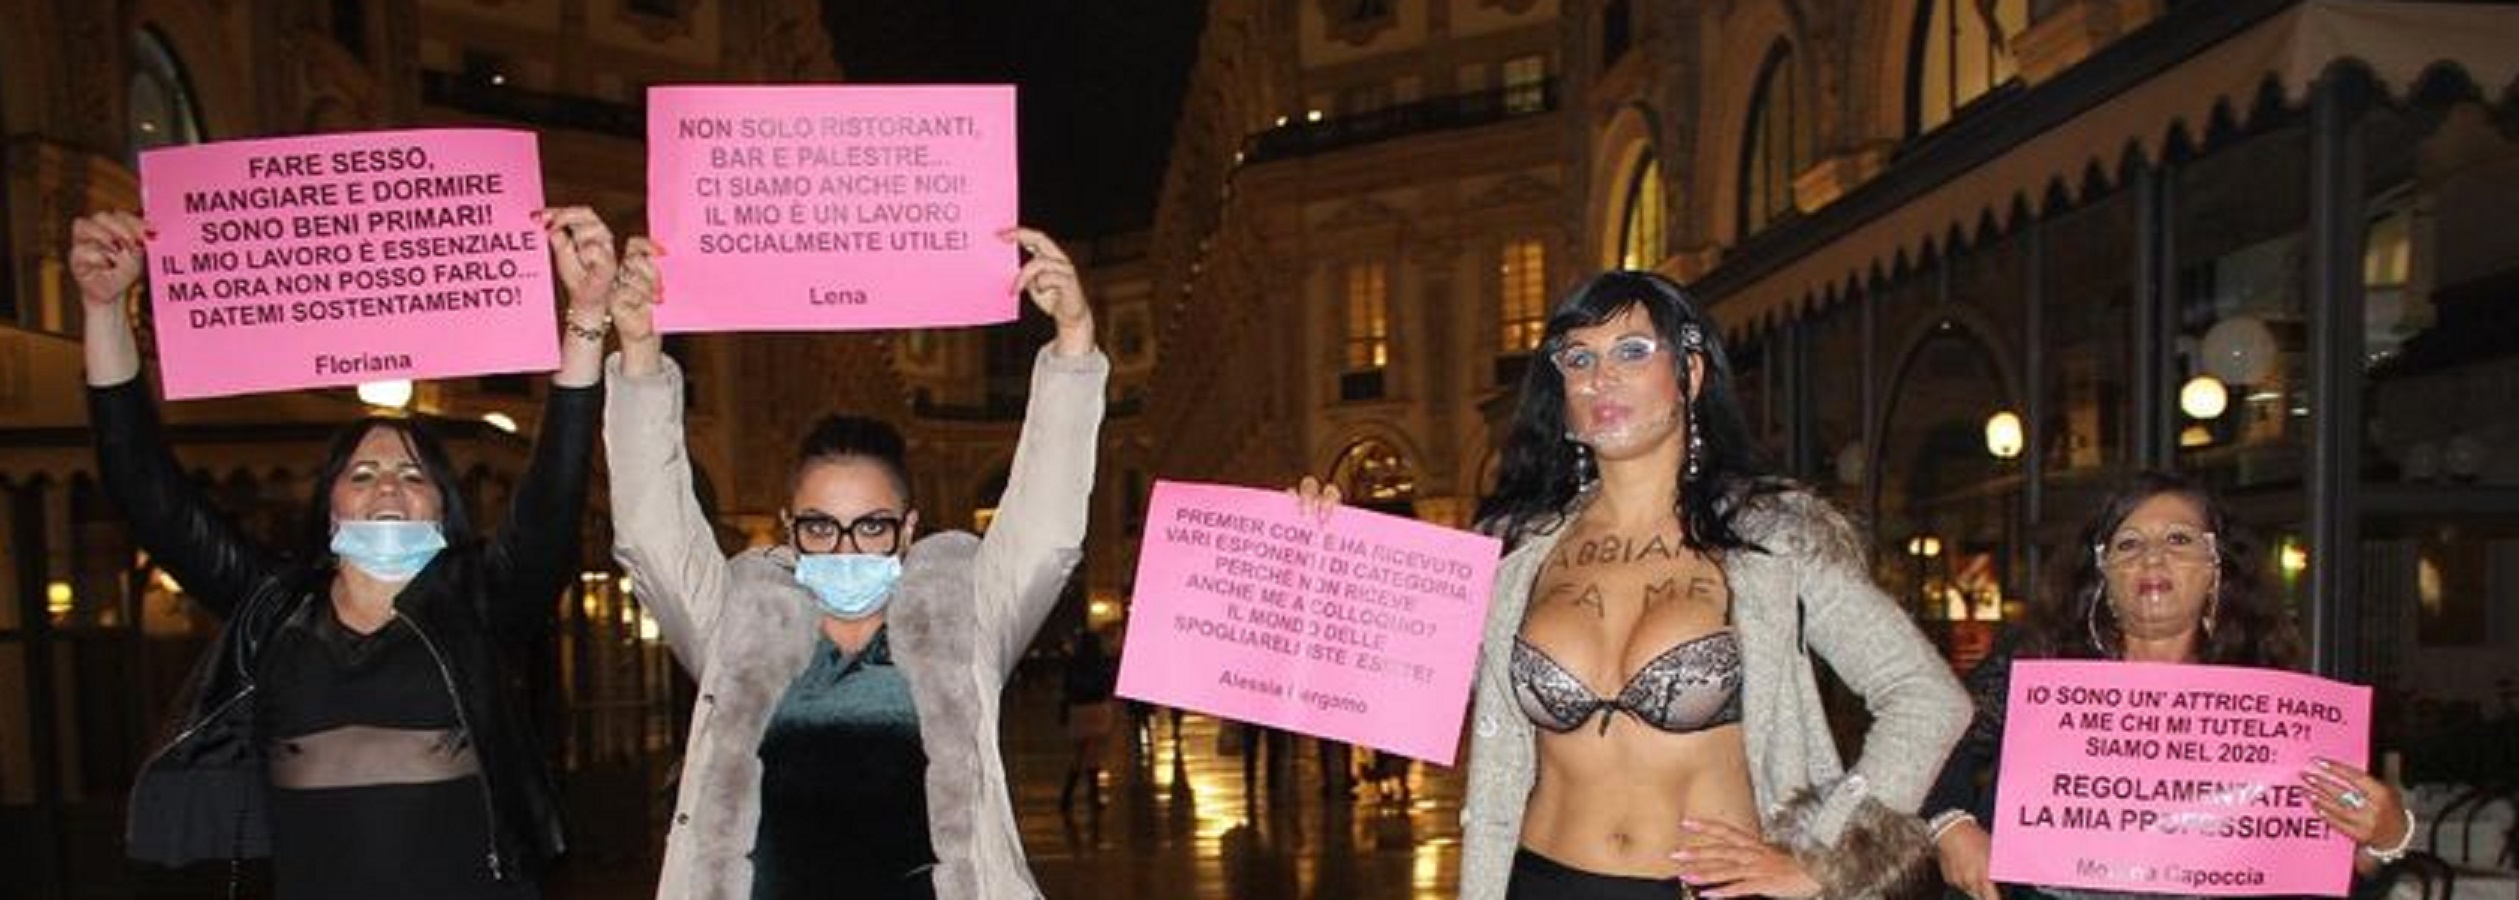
[
  {"x": 1645, "y": 718},
  {"x": 2168, "y": 577},
  {"x": 845, "y": 739}
]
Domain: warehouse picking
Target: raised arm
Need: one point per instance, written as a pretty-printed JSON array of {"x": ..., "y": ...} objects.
[
  {"x": 1040, "y": 527},
  {"x": 167, "y": 513},
  {"x": 658, "y": 531},
  {"x": 537, "y": 550}
]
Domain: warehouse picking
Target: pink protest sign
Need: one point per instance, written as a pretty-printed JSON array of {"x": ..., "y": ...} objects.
[
  {"x": 1362, "y": 629},
  {"x": 344, "y": 258},
  {"x": 789, "y": 208},
  {"x": 2174, "y": 779}
]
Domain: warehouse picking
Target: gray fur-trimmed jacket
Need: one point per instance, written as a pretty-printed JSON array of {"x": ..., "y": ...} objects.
[
  {"x": 958, "y": 622},
  {"x": 1855, "y": 832}
]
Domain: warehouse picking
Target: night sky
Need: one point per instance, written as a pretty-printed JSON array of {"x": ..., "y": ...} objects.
[{"x": 1100, "y": 85}]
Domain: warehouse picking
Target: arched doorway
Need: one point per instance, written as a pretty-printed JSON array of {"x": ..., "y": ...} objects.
[{"x": 1947, "y": 484}]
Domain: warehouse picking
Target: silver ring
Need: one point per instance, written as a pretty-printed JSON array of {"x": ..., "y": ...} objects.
[{"x": 2352, "y": 799}]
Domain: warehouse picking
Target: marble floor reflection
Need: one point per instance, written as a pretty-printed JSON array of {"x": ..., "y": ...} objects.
[
  {"x": 1194, "y": 808},
  {"x": 1203, "y": 811}
]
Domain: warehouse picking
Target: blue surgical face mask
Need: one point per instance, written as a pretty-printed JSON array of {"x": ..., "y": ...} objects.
[
  {"x": 849, "y": 585},
  {"x": 385, "y": 549}
]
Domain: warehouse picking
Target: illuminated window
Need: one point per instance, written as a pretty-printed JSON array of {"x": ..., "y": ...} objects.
[
  {"x": 1640, "y": 230},
  {"x": 1962, "y": 52},
  {"x": 162, "y": 111},
  {"x": 1779, "y": 144},
  {"x": 1523, "y": 272},
  {"x": 1526, "y": 84},
  {"x": 1368, "y": 306}
]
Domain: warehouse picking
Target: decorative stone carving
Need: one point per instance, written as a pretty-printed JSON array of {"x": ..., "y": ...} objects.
[
  {"x": 1831, "y": 178},
  {"x": 2074, "y": 30},
  {"x": 661, "y": 28},
  {"x": 1362, "y": 212},
  {"x": 335, "y": 90}
]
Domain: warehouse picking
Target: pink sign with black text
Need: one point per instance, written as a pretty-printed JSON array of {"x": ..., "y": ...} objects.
[
  {"x": 345, "y": 258},
  {"x": 1362, "y": 628},
  {"x": 2174, "y": 779},
  {"x": 821, "y": 208}
]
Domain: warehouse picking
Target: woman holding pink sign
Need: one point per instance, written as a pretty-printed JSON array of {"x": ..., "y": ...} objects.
[
  {"x": 1645, "y": 718},
  {"x": 2169, "y": 576},
  {"x": 845, "y": 739},
  {"x": 350, "y": 719}
]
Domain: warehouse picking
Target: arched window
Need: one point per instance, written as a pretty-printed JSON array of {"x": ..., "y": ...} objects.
[
  {"x": 1778, "y": 143},
  {"x": 1962, "y": 51},
  {"x": 161, "y": 105},
  {"x": 1938, "y": 480},
  {"x": 1640, "y": 229}
]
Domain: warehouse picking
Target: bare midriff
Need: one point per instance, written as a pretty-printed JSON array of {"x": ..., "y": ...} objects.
[{"x": 1610, "y": 798}]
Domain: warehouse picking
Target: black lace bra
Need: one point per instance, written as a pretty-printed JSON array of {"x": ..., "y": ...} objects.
[{"x": 1690, "y": 687}]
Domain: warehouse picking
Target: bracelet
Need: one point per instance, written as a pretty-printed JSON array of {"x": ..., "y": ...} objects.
[
  {"x": 2405, "y": 843},
  {"x": 595, "y": 333},
  {"x": 1942, "y": 822}
]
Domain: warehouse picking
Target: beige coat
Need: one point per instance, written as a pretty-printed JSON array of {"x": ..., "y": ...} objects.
[{"x": 959, "y": 621}]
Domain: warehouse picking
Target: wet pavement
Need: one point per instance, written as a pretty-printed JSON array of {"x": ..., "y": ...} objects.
[{"x": 1190, "y": 814}]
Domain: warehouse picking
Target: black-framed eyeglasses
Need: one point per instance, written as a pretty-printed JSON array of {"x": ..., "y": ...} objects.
[{"x": 876, "y": 532}]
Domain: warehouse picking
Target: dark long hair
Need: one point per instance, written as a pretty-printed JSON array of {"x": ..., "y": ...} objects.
[
  {"x": 315, "y": 532},
  {"x": 1538, "y": 476},
  {"x": 2248, "y": 629}
]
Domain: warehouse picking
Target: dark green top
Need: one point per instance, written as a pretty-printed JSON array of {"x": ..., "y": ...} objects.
[{"x": 843, "y": 783}]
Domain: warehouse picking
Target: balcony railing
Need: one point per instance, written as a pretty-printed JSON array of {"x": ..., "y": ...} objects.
[
  {"x": 1297, "y": 139},
  {"x": 473, "y": 95}
]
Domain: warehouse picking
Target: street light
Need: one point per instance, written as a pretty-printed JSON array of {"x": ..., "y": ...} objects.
[
  {"x": 389, "y": 394},
  {"x": 2003, "y": 435},
  {"x": 2204, "y": 397}
]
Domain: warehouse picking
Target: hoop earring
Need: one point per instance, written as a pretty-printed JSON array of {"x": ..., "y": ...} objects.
[
  {"x": 2213, "y": 604},
  {"x": 2099, "y": 596}
]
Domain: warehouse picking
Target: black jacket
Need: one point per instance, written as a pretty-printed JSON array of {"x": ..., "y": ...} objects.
[{"x": 466, "y": 604}]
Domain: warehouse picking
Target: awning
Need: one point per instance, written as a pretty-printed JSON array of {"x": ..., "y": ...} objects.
[{"x": 2396, "y": 42}]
